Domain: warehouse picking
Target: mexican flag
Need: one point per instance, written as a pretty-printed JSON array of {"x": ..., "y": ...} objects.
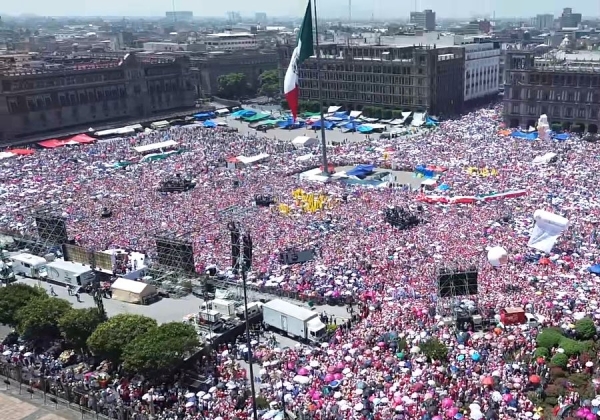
[{"x": 304, "y": 49}]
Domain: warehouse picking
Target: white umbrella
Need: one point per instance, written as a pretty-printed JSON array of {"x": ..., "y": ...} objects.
[
  {"x": 303, "y": 380},
  {"x": 207, "y": 397},
  {"x": 314, "y": 363},
  {"x": 7, "y": 353},
  {"x": 190, "y": 395},
  {"x": 199, "y": 394},
  {"x": 359, "y": 407},
  {"x": 189, "y": 404},
  {"x": 146, "y": 397},
  {"x": 27, "y": 354}
]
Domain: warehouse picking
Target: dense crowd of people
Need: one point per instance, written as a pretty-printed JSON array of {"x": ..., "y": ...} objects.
[{"x": 359, "y": 373}]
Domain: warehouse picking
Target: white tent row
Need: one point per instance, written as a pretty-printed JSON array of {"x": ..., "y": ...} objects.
[
  {"x": 122, "y": 131},
  {"x": 156, "y": 146},
  {"x": 249, "y": 160},
  {"x": 304, "y": 141}
]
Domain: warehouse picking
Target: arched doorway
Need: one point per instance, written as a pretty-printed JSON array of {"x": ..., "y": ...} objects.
[
  {"x": 592, "y": 128},
  {"x": 578, "y": 128},
  {"x": 514, "y": 123},
  {"x": 566, "y": 126}
]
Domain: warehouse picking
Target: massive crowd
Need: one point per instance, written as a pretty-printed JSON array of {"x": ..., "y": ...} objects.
[{"x": 359, "y": 374}]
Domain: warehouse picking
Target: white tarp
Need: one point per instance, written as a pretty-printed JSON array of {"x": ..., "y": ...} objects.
[
  {"x": 249, "y": 160},
  {"x": 5, "y": 155},
  {"x": 304, "y": 141},
  {"x": 222, "y": 111},
  {"x": 355, "y": 114},
  {"x": 333, "y": 109},
  {"x": 418, "y": 119},
  {"x": 156, "y": 146},
  {"x": 544, "y": 160},
  {"x": 547, "y": 229}
]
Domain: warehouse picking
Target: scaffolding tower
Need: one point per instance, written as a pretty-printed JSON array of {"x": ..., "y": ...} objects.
[
  {"x": 455, "y": 282},
  {"x": 174, "y": 254},
  {"x": 51, "y": 228}
]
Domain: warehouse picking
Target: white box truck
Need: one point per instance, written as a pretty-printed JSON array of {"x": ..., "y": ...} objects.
[
  {"x": 293, "y": 320},
  {"x": 67, "y": 272},
  {"x": 29, "y": 265}
]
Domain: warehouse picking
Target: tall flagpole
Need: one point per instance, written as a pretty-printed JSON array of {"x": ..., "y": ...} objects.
[{"x": 318, "y": 56}]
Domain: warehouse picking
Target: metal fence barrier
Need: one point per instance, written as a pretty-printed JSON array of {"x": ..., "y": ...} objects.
[{"x": 49, "y": 392}]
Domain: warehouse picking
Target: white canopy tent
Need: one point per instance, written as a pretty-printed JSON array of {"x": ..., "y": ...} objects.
[
  {"x": 156, "y": 146},
  {"x": 251, "y": 160},
  {"x": 304, "y": 141},
  {"x": 132, "y": 291}
]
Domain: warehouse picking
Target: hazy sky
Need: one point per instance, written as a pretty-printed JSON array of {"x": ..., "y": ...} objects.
[{"x": 327, "y": 8}]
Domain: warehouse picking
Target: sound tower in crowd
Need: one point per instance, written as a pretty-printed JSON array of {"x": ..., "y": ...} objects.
[
  {"x": 453, "y": 283},
  {"x": 51, "y": 228},
  {"x": 235, "y": 245},
  {"x": 175, "y": 253}
]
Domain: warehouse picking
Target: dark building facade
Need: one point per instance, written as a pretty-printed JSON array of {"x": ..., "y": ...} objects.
[
  {"x": 209, "y": 67},
  {"x": 391, "y": 77},
  {"x": 569, "y": 94},
  {"x": 83, "y": 92}
]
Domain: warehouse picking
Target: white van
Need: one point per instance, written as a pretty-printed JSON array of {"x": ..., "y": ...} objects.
[{"x": 29, "y": 265}]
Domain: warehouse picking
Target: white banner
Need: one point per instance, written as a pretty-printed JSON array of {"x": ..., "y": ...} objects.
[{"x": 547, "y": 229}]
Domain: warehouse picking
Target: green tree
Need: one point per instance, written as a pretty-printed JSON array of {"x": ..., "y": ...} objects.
[
  {"x": 233, "y": 85},
  {"x": 109, "y": 339},
  {"x": 269, "y": 83},
  {"x": 434, "y": 349},
  {"x": 542, "y": 352},
  {"x": 160, "y": 350},
  {"x": 13, "y": 297},
  {"x": 585, "y": 328},
  {"x": 549, "y": 338},
  {"x": 77, "y": 325},
  {"x": 38, "y": 319},
  {"x": 571, "y": 347},
  {"x": 560, "y": 360}
]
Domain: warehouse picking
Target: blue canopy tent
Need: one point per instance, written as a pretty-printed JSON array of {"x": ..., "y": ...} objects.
[
  {"x": 594, "y": 269},
  {"x": 328, "y": 125},
  {"x": 430, "y": 122},
  {"x": 290, "y": 124},
  {"x": 351, "y": 125},
  {"x": 524, "y": 135},
  {"x": 209, "y": 124},
  {"x": 204, "y": 115},
  {"x": 364, "y": 129},
  {"x": 238, "y": 113},
  {"x": 361, "y": 171},
  {"x": 422, "y": 169},
  {"x": 561, "y": 137},
  {"x": 340, "y": 115}
]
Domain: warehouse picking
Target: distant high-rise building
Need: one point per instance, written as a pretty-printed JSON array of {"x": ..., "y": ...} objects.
[
  {"x": 545, "y": 21},
  {"x": 180, "y": 16},
  {"x": 234, "y": 17},
  {"x": 568, "y": 19},
  {"x": 260, "y": 17},
  {"x": 424, "y": 19}
]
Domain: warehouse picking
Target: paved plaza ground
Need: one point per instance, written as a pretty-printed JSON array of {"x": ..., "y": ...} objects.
[{"x": 21, "y": 407}]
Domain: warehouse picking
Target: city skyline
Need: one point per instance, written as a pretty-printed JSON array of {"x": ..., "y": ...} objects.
[{"x": 361, "y": 10}]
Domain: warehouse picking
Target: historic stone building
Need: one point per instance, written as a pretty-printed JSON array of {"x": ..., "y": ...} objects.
[
  {"x": 568, "y": 93},
  {"x": 391, "y": 77},
  {"x": 73, "y": 94},
  {"x": 209, "y": 67}
]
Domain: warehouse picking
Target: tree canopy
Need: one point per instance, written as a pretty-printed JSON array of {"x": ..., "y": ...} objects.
[
  {"x": 77, "y": 325},
  {"x": 269, "y": 83},
  {"x": 585, "y": 328},
  {"x": 38, "y": 319},
  {"x": 111, "y": 336},
  {"x": 13, "y": 297},
  {"x": 160, "y": 350},
  {"x": 233, "y": 85}
]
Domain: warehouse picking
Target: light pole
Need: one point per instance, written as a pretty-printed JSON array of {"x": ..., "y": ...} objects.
[{"x": 244, "y": 261}]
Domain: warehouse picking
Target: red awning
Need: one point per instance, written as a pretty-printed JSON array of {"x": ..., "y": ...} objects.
[
  {"x": 22, "y": 152},
  {"x": 82, "y": 138},
  {"x": 52, "y": 144}
]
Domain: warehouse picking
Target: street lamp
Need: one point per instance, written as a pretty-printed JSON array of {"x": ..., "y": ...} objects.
[{"x": 243, "y": 251}]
